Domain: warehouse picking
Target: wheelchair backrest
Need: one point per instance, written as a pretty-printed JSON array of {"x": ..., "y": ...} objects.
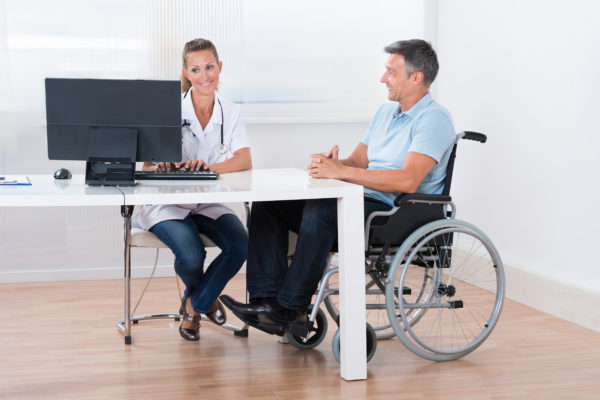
[
  {"x": 467, "y": 135},
  {"x": 450, "y": 170}
]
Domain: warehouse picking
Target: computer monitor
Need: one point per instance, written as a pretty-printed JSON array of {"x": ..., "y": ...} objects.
[{"x": 113, "y": 123}]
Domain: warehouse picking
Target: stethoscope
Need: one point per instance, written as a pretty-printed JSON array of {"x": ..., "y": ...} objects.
[{"x": 222, "y": 147}]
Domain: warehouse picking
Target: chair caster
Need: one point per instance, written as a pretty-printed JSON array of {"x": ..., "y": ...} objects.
[{"x": 371, "y": 343}]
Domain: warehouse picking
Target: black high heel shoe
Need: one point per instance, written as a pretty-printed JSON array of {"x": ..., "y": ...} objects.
[{"x": 186, "y": 333}]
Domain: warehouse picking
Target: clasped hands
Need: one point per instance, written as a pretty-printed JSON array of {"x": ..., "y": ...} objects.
[
  {"x": 190, "y": 165},
  {"x": 326, "y": 165}
]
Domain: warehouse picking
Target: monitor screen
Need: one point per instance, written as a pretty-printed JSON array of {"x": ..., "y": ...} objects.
[{"x": 106, "y": 121}]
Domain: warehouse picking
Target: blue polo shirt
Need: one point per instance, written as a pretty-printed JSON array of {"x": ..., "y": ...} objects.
[{"x": 426, "y": 128}]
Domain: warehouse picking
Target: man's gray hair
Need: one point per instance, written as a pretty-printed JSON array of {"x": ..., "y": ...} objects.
[{"x": 418, "y": 56}]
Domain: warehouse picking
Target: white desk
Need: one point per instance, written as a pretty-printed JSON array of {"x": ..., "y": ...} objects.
[{"x": 257, "y": 185}]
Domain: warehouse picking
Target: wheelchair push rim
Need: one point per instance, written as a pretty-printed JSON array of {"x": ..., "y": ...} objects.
[{"x": 464, "y": 297}]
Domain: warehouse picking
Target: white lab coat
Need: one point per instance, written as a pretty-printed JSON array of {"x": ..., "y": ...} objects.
[{"x": 202, "y": 144}]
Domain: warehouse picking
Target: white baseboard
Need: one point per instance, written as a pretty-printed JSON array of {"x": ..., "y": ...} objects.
[
  {"x": 82, "y": 274},
  {"x": 564, "y": 301}
]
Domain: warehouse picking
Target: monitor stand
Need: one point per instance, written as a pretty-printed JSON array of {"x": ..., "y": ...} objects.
[
  {"x": 105, "y": 173},
  {"x": 111, "y": 157}
]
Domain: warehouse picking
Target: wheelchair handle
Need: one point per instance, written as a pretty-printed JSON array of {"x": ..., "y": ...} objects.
[{"x": 476, "y": 136}]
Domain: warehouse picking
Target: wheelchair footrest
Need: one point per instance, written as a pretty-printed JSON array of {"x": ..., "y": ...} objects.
[
  {"x": 294, "y": 328},
  {"x": 273, "y": 329},
  {"x": 456, "y": 304},
  {"x": 299, "y": 330}
]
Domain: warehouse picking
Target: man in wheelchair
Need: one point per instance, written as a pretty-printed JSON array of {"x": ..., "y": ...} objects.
[{"x": 405, "y": 150}]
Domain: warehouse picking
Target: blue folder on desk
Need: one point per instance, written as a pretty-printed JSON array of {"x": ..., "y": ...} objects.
[{"x": 10, "y": 180}]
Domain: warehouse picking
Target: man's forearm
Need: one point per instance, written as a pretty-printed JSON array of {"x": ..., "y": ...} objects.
[
  {"x": 388, "y": 181},
  {"x": 348, "y": 162}
]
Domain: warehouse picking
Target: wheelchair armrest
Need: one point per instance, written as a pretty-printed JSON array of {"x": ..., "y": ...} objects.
[{"x": 404, "y": 198}]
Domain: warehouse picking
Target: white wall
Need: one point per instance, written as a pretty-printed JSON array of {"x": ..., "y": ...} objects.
[
  {"x": 290, "y": 145},
  {"x": 526, "y": 74}
]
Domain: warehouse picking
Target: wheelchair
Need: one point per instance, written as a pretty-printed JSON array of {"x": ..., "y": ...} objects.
[{"x": 434, "y": 282}]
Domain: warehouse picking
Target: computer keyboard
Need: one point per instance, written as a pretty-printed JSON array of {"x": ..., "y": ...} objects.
[{"x": 176, "y": 175}]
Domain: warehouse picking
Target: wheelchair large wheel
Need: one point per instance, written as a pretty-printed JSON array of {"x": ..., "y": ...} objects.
[
  {"x": 315, "y": 335},
  {"x": 376, "y": 314},
  {"x": 459, "y": 302}
]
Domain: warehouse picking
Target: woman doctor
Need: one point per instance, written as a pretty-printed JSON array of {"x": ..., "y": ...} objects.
[{"x": 213, "y": 137}]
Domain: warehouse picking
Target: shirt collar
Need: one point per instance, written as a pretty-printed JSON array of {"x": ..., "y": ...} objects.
[
  {"x": 414, "y": 110},
  {"x": 188, "y": 113}
]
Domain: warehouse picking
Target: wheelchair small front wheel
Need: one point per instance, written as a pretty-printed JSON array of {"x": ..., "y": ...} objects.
[
  {"x": 371, "y": 343},
  {"x": 315, "y": 335}
]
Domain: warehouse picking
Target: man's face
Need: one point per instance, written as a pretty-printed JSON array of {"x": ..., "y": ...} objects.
[{"x": 398, "y": 84}]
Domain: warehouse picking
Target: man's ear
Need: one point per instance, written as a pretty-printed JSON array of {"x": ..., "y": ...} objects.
[{"x": 418, "y": 77}]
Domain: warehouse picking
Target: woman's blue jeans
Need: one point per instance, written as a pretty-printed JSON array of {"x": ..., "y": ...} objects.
[
  {"x": 227, "y": 232},
  {"x": 315, "y": 221}
]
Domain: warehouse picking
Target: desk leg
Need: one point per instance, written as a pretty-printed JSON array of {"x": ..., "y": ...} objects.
[
  {"x": 353, "y": 350},
  {"x": 126, "y": 212}
]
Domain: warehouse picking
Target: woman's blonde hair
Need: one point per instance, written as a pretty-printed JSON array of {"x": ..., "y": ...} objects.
[{"x": 190, "y": 47}]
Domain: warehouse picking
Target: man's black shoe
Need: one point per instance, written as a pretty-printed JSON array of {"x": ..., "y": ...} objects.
[
  {"x": 266, "y": 314},
  {"x": 247, "y": 311},
  {"x": 295, "y": 322},
  {"x": 230, "y": 302},
  {"x": 281, "y": 315}
]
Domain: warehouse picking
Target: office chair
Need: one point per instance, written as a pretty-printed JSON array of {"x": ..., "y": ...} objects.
[{"x": 140, "y": 238}]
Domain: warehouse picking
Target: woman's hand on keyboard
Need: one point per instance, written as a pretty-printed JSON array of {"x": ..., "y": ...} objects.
[
  {"x": 164, "y": 166},
  {"x": 193, "y": 165}
]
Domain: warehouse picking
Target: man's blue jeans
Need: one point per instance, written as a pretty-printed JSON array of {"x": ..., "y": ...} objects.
[
  {"x": 227, "y": 232},
  {"x": 315, "y": 221}
]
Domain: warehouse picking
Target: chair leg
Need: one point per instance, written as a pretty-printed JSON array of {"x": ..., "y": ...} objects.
[{"x": 124, "y": 325}]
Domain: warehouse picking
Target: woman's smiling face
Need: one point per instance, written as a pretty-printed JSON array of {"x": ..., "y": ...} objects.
[{"x": 203, "y": 70}]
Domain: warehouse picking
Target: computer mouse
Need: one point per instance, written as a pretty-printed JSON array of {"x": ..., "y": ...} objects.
[{"x": 62, "y": 173}]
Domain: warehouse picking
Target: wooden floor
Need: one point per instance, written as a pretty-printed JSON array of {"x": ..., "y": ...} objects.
[{"x": 59, "y": 341}]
